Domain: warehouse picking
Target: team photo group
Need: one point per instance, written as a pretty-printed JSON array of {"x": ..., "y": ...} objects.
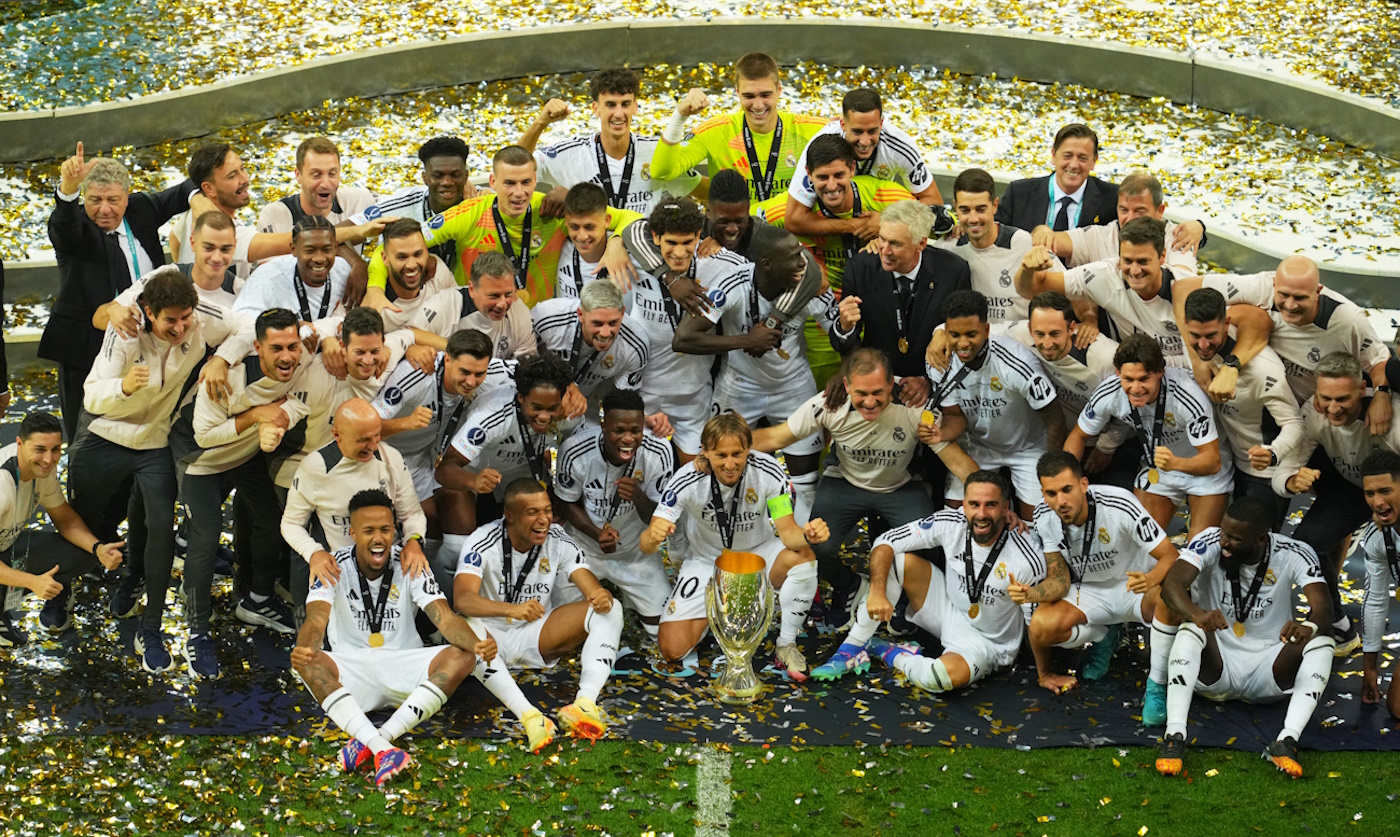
[{"x": 490, "y": 421}]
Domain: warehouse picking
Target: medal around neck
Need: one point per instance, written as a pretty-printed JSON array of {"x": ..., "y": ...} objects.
[{"x": 739, "y": 603}]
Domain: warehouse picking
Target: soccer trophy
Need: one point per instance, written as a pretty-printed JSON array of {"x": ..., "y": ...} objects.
[{"x": 739, "y": 602}]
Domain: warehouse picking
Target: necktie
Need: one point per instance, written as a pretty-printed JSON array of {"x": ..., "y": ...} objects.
[{"x": 1062, "y": 219}]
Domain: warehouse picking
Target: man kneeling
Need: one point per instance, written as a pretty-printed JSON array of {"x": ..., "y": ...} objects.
[
  {"x": 966, "y": 605},
  {"x": 376, "y": 656},
  {"x": 1248, "y": 645},
  {"x": 509, "y": 572}
]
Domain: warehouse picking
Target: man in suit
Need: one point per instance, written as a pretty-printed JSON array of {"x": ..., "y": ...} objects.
[
  {"x": 1069, "y": 198},
  {"x": 894, "y": 301},
  {"x": 102, "y": 244}
]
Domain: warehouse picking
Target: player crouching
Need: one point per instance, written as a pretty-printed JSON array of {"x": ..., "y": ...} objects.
[
  {"x": 725, "y": 500},
  {"x": 509, "y": 574},
  {"x": 1248, "y": 645},
  {"x": 376, "y": 656}
]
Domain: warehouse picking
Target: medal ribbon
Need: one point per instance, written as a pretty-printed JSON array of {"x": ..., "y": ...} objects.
[
  {"x": 1389, "y": 535},
  {"x": 455, "y": 419},
  {"x": 848, "y": 240},
  {"x": 534, "y": 451},
  {"x": 618, "y": 199},
  {"x": 521, "y": 261},
  {"x": 1149, "y": 443},
  {"x": 305, "y": 302},
  {"x": 507, "y": 559},
  {"x": 1088, "y": 540},
  {"x": 581, "y": 370},
  {"x": 944, "y": 388},
  {"x": 727, "y": 520},
  {"x": 616, "y": 502},
  {"x": 374, "y": 611},
  {"x": 763, "y": 181},
  {"x": 974, "y": 588},
  {"x": 1243, "y": 607}
]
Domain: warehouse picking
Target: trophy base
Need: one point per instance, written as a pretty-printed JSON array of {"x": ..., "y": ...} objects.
[{"x": 737, "y": 685}]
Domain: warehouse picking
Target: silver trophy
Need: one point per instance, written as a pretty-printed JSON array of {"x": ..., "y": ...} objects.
[{"x": 739, "y": 602}]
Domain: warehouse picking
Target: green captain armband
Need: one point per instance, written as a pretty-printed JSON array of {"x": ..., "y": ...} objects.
[{"x": 780, "y": 506}]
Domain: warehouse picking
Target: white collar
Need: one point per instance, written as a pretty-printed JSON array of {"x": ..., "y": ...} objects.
[
  {"x": 1077, "y": 195},
  {"x": 913, "y": 274}
]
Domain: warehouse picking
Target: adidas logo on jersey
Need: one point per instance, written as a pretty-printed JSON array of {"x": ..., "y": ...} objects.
[{"x": 595, "y": 485}]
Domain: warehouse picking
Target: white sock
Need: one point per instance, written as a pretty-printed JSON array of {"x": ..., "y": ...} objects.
[
  {"x": 1182, "y": 673},
  {"x": 497, "y": 680},
  {"x": 599, "y": 651},
  {"x": 805, "y": 486},
  {"x": 1159, "y": 646},
  {"x": 257, "y": 598},
  {"x": 651, "y": 630},
  {"x": 1308, "y": 686},
  {"x": 866, "y": 625},
  {"x": 426, "y": 700},
  {"x": 1080, "y": 634},
  {"x": 795, "y": 599},
  {"x": 341, "y": 707},
  {"x": 930, "y": 674},
  {"x": 1343, "y": 624}
]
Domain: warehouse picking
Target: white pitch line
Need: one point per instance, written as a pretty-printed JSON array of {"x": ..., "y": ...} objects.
[{"x": 712, "y": 794}]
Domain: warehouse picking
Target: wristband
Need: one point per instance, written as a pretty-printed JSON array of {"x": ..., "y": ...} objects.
[
  {"x": 1310, "y": 624},
  {"x": 674, "y": 131},
  {"x": 306, "y": 331},
  {"x": 1383, "y": 388},
  {"x": 95, "y": 545}
]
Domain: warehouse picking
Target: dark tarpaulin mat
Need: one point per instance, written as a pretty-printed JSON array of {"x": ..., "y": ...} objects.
[{"x": 88, "y": 683}]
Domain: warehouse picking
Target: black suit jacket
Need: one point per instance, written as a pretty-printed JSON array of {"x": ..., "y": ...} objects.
[
  {"x": 1026, "y": 203},
  {"x": 940, "y": 273},
  {"x": 93, "y": 269}
]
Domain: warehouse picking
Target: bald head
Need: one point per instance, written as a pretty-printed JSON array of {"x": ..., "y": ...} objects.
[
  {"x": 356, "y": 430},
  {"x": 1297, "y": 285}
]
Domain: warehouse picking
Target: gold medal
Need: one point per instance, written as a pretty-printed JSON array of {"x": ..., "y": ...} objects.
[
  {"x": 974, "y": 610},
  {"x": 376, "y": 639},
  {"x": 1153, "y": 475},
  {"x": 903, "y": 346},
  {"x": 1239, "y": 629},
  {"x": 783, "y": 353},
  {"x": 927, "y": 417}
]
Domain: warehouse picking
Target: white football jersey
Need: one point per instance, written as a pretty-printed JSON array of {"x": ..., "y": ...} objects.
[
  {"x": 575, "y": 160},
  {"x": 998, "y": 618},
  {"x": 1121, "y": 539},
  {"x": 736, "y": 306},
  {"x": 584, "y": 473},
  {"x": 496, "y": 435},
  {"x": 448, "y": 311},
  {"x": 559, "y": 328},
  {"x": 1262, "y": 412},
  {"x": 1291, "y": 563},
  {"x": 1101, "y": 283},
  {"x": 994, "y": 270},
  {"x": 1378, "y": 547},
  {"x": 763, "y": 491},
  {"x": 1186, "y": 422},
  {"x": 349, "y": 625},
  {"x": 1001, "y": 398},
  {"x": 407, "y": 389},
  {"x": 1346, "y": 447},
  {"x": 276, "y": 284},
  {"x": 1099, "y": 242},
  {"x": 485, "y": 555}
]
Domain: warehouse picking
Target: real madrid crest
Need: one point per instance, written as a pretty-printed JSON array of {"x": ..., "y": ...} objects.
[
  {"x": 1170, "y": 420},
  {"x": 1103, "y": 535},
  {"x": 791, "y": 160},
  {"x": 608, "y": 362},
  {"x": 544, "y": 565},
  {"x": 1001, "y": 570},
  {"x": 750, "y": 496},
  {"x": 671, "y": 608},
  {"x": 1270, "y": 578},
  {"x": 646, "y": 171},
  {"x": 883, "y": 172},
  {"x": 995, "y": 384},
  {"x": 536, "y": 240},
  {"x": 394, "y": 593}
]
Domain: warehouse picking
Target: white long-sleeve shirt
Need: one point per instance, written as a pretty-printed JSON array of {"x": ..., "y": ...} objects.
[
  {"x": 323, "y": 486},
  {"x": 141, "y": 420}
]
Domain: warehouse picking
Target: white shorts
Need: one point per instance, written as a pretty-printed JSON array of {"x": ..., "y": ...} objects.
[
  {"x": 1107, "y": 603},
  {"x": 640, "y": 578},
  {"x": 1177, "y": 486},
  {"x": 1022, "y": 464},
  {"x": 956, "y": 631},
  {"x": 518, "y": 646},
  {"x": 424, "y": 474},
  {"x": 1247, "y": 673},
  {"x": 379, "y": 677},
  {"x": 687, "y": 599},
  {"x": 755, "y": 403},
  {"x": 687, "y": 413}
]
